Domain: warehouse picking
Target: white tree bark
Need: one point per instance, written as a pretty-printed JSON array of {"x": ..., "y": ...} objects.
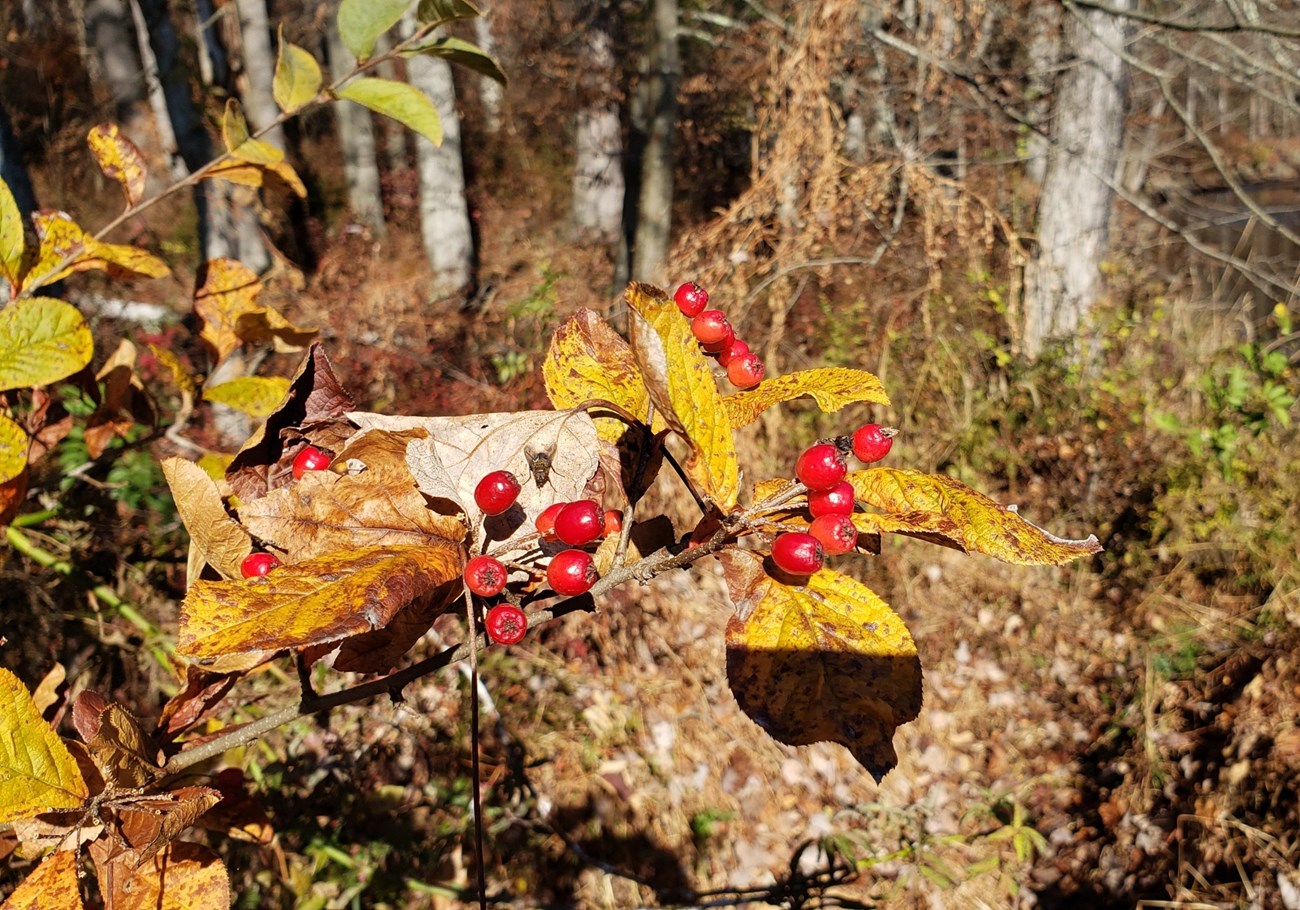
[
  {"x": 356, "y": 136},
  {"x": 259, "y": 70},
  {"x": 1064, "y": 280},
  {"x": 655, "y": 203},
  {"x": 490, "y": 91},
  {"x": 598, "y": 187},
  {"x": 1044, "y": 49}
]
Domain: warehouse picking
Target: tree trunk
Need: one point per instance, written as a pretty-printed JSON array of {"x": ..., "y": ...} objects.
[
  {"x": 598, "y": 140},
  {"x": 110, "y": 32},
  {"x": 1064, "y": 280},
  {"x": 356, "y": 136},
  {"x": 444, "y": 213},
  {"x": 1044, "y": 50},
  {"x": 259, "y": 70},
  {"x": 490, "y": 91},
  {"x": 655, "y": 205}
]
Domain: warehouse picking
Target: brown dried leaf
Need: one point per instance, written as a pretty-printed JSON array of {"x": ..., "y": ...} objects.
[
  {"x": 122, "y": 750},
  {"x": 182, "y": 876},
  {"x": 51, "y": 886},
  {"x": 86, "y": 710},
  {"x": 220, "y": 540},
  {"x": 379, "y": 651},
  {"x": 149, "y": 823},
  {"x": 203, "y": 691}
]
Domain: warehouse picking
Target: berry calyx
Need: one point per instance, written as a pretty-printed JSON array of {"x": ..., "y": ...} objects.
[
  {"x": 613, "y": 522},
  {"x": 837, "y": 500},
  {"x": 496, "y": 492},
  {"x": 836, "y": 533},
  {"x": 711, "y": 326},
  {"x": 798, "y": 553},
  {"x": 736, "y": 349},
  {"x": 745, "y": 371},
  {"x": 506, "y": 624},
  {"x": 691, "y": 299},
  {"x": 580, "y": 522},
  {"x": 821, "y": 466},
  {"x": 872, "y": 442},
  {"x": 258, "y": 564},
  {"x": 485, "y": 576},
  {"x": 309, "y": 458},
  {"x": 571, "y": 572},
  {"x": 546, "y": 521}
]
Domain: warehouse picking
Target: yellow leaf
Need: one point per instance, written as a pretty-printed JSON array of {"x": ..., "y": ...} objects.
[
  {"x": 587, "y": 360},
  {"x": 297, "y": 77},
  {"x": 119, "y": 159},
  {"x": 12, "y": 242},
  {"x": 253, "y": 395},
  {"x": 246, "y": 173},
  {"x": 310, "y": 603},
  {"x": 42, "y": 340},
  {"x": 13, "y": 449},
  {"x": 681, "y": 385},
  {"x": 123, "y": 261},
  {"x": 234, "y": 127},
  {"x": 52, "y": 886},
  {"x": 37, "y": 772},
  {"x": 214, "y": 464},
  {"x": 228, "y": 291},
  {"x": 252, "y": 156},
  {"x": 831, "y": 387},
  {"x": 222, "y": 543},
  {"x": 178, "y": 371},
  {"x": 65, "y": 248},
  {"x": 984, "y": 526},
  {"x": 182, "y": 876},
  {"x": 930, "y": 526},
  {"x": 266, "y": 324},
  {"x": 822, "y": 660}
]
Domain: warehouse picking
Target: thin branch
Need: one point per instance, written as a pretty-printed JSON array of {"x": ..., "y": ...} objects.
[{"x": 1135, "y": 15}]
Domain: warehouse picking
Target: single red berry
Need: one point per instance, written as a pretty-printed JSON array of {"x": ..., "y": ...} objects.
[
  {"x": 485, "y": 576},
  {"x": 580, "y": 522},
  {"x": 546, "y": 521},
  {"x": 711, "y": 326},
  {"x": 256, "y": 564},
  {"x": 821, "y": 466},
  {"x": 837, "y": 500},
  {"x": 496, "y": 492},
  {"x": 571, "y": 572},
  {"x": 736, "y": 349},
  {"x": 872, "y": 442},
  {"x": 798, "y": 553},
  {"x": 613, "y": 522},
  {"x": 717, "y": 347},
  {"x": 691, "y": 298},
  {"x": 836, "y": 533},
  {"x": 506, "y": 624},
  {"x": 309, "y": 458},
  {"x": 746, "y": 371}
]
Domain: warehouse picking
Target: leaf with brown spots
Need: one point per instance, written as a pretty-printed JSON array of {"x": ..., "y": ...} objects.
[
  {"x": 831, "y": 387},
  {"x": 588, "y": 360},
  {"x": 182, "y": 876},
  {"x": 52, "y": 886},
  {"x": 37, "y": 772},
  {"x": 119, "y": 159}
]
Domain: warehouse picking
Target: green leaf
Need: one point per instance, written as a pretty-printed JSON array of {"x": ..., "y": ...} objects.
[
  {"x": 445, "y": 11},
  {"x": 12, "y": 244},
  {"x": 404, "y": 103},
  {"x": 297, "y": 76},
  {"x": 361, "y": 22},
  {"x": 42, "y": 340},
  {"x": 460, "y": 52}
]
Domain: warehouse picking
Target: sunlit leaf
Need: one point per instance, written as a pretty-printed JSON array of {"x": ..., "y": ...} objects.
[
  {"x": 404, "y": 103},
  {"x": 37, "y": 773},
  {"x": 933, "y": 527},
  {"x": 440, "y": 11},
  {"x": 228, "y": 291},
  {"x": 361, "y": 22},
  {"x": 51, "y": 886},
  {"x": 312, "y": 602},
  {"x": 182, "y": 876},
  {"x": 253, "y": 395},
  {"x": 820, "y": 659},
  {"x": 252, "y": 157},
  {"x": 203, "y": 691},
  {"x": 221, "y": 541},
  {"x": 12, "y": 242},
  {"x": 150, "y": 822},
  {"x": 984, "y": 525},
  {"x": 42, "y": 340},
  {"x": 589, "y": 360},
  {"x": 459, "y": 52},
  {"x": 831, "y": 387},
  {"x": 266, "y": 324},
  {"x": 681, "y": 385},
  {"x": 297, "y": 76},
  {"x": 119, "y": 159},
  {"x": 121, "y": 749},
  {"x": 381, "y": 650},
  {"x": 14, "y": 443},
  {"x": 65, "y": 248},
  {"x": 13, "y": 493}
]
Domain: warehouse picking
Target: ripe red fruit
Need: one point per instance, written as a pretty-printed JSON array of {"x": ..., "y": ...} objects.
[
  {"x": 872, "y": 442},
  {"x": 485, "y": 576},
  {"x": 837, "y": 500},
  {"x": 821, "y": 466},
  {"x": 691, "y": 298},
  {"x": 746, "y": 371},
  {"x": 717, "y": 347},
  {"x": 309, "y": 458},
  {"x": 798, "y": 553},
  {"x": 613, "y": 522},
  {"x": 711, "y": 326},
  {"x": 496, "y": 492},
  {"x": 546, "y": 521},
  {"x": 256, "y": 564},
  {"x": 580, "y": 522},
  {"x": 506, "y": 624},
  {"x": 732, "y": 351},
  {"x": 571, "y": 572},
  {"x": 836, "y": 533}
]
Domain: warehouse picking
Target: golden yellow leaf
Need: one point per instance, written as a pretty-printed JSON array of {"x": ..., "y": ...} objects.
[
  {"x": 14, "y": 443},
  {"x": 831, "y": 387},
  {"x": 214, "y": 464},
  {"x": 267, "y": 324},
  {"x": 176, "y": 369},
  {"x": 182, "y": 876},
  {"x": 310, "y": 603},
  {"x": 588, "y": 360},
  {"x": 37, "y": 773},
  {"x": 119, "y": 159},
  {"x": 65, "y": 248},
  {"x": 253, "y": 395},
  {"x": 684, "y": 392},
  {"x": 51, "y": 886},
  {"x": 984, "y": 526},
  {"x": 252, "y": 156},
  {"x": 220, "y": 540},
  {"x": 228, "y": 291},
  {"x": 42, "y": 340},
  {"x": 929, "y": 526},
  {"x": 13, "y": 244},
  {"x": 822, "y": 660}
]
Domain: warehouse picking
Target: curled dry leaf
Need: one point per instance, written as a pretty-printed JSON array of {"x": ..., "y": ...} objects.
[
  {"x": 220, "y": 541},
  {"x": 37, "y": 772},
  {"x": 149, "y": 823},
  {"x": 203, "y": 691},
  {"x": 380, "y": 651},
  {"x": 122, "y": 750}
]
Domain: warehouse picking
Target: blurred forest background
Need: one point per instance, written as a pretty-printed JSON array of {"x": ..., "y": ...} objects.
[{"x": 1066, "y": 235}]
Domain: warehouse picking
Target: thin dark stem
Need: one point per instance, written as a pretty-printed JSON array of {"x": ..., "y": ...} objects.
[{"x": 471, "y": 616}]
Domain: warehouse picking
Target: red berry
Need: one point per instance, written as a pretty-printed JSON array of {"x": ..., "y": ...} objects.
[
  {"x": 821, "y": 466},
  {"x": 691, "y": 298},
  {"x": 571, "y": 572},
  {"x": 798, "y": 553},
  {"x": 872, "y": 442},
  {"x": 580, "y": 522},
  {"x": 546, "y": 521},
  {"x": 732, "y": 351},
  {"x": 711, "y": 326},
  {"x": 838, "y": 500},
  {"x": 506, "y": 624},
  {"x": 256, "y": 564},
  {"x": 485, "y": 576},
  {"x": 746, "y": 371},
  {"x": 836, "y": 533},
  {"x": 613, "y": 522},
  {"x": 496, "y": 492},
  {"x": 717, "y": 347},
  {"x": 309, "y": 458}
]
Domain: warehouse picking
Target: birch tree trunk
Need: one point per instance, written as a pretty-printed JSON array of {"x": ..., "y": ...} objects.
[
  {"x": 356, "y": 136},
  {"x": 259, "y": 70},
  {"x": 1064, "y": 280},
  {"x": 598, "y": 186},
  {"x": 655, "y": 203},
  {"x": 111, "y": 34},
  {"x": 491, "y": 93}
]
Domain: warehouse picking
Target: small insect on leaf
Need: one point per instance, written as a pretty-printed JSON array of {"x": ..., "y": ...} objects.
[{"x": 539, "y": 464}]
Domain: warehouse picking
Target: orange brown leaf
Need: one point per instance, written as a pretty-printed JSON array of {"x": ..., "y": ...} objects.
[
  {"x": 51, "y": 886},
  {"x": 182, "y": 876},
  {"x": 831, "y": 387}
]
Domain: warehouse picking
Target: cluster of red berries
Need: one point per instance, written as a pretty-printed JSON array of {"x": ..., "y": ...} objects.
[
  {"x": 831, "y": 500},
  {"x": 714, "y": 332},
  {"x": 259, "y": 562}
]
